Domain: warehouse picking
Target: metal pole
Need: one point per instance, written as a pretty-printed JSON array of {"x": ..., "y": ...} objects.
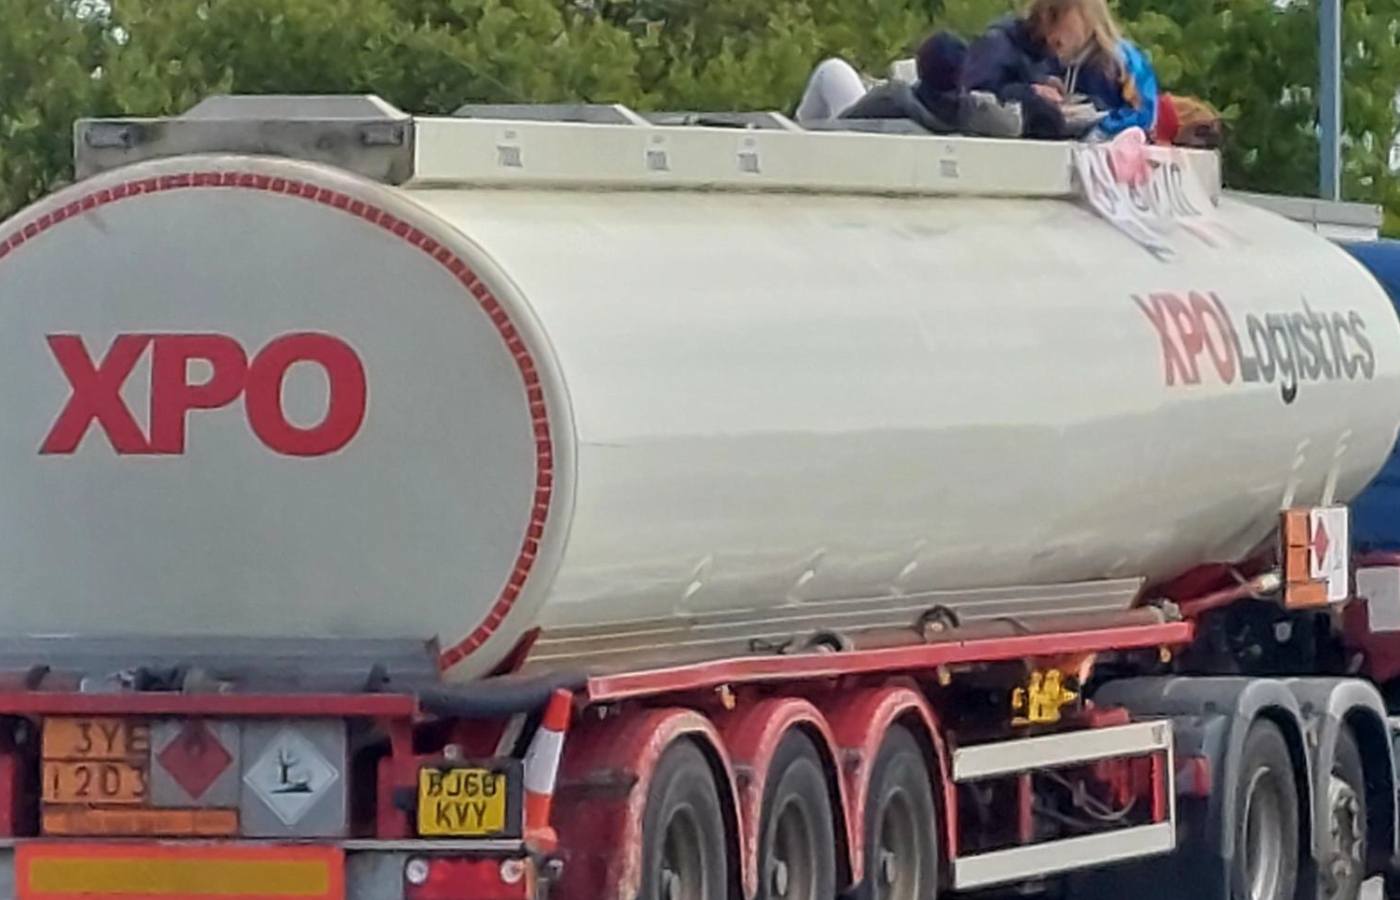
[{"x": 1329, "y": 16}]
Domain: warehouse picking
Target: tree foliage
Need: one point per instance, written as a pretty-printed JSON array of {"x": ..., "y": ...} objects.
[
  {"x": 47, "y": 56},
  {"x": 1258, "y": 61},
  {"x": 64, "y": 59}
]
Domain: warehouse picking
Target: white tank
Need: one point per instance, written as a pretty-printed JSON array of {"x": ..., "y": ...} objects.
[{"x": 256, "y": 397}]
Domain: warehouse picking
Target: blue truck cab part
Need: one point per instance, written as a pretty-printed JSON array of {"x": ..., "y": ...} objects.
[{"x": 1376, "y": 513}]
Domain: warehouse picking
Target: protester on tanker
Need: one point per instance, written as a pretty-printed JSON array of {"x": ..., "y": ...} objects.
[
  {"x": 939, "y": 63},
  {"x": 1062, "y": 70},
  {"x": 1100, "y": 64},
  {"x": 836, "y": 90},
  {"x": 934, "y": 99},
  {"x": 1013, "y": 61},
  {"x": 1060, "y": 53}
]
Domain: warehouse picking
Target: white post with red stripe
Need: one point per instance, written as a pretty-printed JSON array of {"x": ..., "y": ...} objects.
[{"x": 542, "y": 769}]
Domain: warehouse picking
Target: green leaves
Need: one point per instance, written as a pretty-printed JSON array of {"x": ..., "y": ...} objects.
[
  {"x": 63, "y": 59},
  {"x": 47, "y": 55},
  {"x": 1257, "y": 61}
]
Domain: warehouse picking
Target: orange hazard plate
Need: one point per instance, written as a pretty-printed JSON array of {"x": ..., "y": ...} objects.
[
  {"x": 96, "y": 761},
  {"x": 93, "y": 871},
  {"x": 95, "y": 782},
  {"x": 96, "y": 739}
]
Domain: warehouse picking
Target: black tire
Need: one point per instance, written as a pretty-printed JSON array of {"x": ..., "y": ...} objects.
[
  {"x": 1265, "y": 866},
  {"x": 683, "y": 844},
  {"x": 901, "y": 824},
  {"x": 1344, "y": 868},
  {"x": 797, "y": 837}
]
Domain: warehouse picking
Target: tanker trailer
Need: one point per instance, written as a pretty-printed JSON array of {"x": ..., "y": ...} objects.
[{"x": 875, "y": 510}]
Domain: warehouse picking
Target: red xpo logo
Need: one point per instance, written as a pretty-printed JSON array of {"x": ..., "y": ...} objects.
[
  {"x": 96, "y": 391},
  {"x": 1287, "y": 348}
]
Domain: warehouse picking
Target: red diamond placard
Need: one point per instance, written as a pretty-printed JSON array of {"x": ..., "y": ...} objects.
[
  {"x": 195, "y": 759},
  {"x": 1320, "y": 544}
]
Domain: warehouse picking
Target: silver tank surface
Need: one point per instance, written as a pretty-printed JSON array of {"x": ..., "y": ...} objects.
[{"x": 264, "y": 398}]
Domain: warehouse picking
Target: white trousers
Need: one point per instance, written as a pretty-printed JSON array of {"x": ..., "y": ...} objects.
[{"x": 834, "y": 87}]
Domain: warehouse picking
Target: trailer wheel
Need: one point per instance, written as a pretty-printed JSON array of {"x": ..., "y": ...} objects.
[
  {"x": 683, "y": 844},
  {"x": 901, "y": 841},
  {"x": 1266, "y": 817},
  {"x": 797, "y": 838},
  {"x": 1345, "y": 867}
]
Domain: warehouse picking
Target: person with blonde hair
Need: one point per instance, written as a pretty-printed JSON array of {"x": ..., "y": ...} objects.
[
  {"x": 1112, "y": 72},
  {"x": 1063, "y": 55}
]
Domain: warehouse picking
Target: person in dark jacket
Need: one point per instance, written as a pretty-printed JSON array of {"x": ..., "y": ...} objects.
[
  {"x": 1013, "y": 61},
  {"x": 939, "y": 64}
]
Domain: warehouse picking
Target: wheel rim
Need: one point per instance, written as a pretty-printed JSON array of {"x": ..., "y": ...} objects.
[
  {"x": 897, "y": 862},
  {"x": 683, "y": 857},
  {"x": 795, "y": 860},
  {"x": 1264, "y": 840},
  {"x": 1348, "y": 834}
]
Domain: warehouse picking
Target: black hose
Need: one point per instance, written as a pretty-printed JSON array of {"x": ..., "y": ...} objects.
[{"x": 506, "y": 695}]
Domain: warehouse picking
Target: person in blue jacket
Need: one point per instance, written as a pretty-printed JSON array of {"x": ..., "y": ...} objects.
[{"x": 1060, "y": 53}]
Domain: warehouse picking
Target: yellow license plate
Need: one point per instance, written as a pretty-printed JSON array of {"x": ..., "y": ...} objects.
[
  {"x": 463, "y": 802},
  {"x": 97, "y": 783}
]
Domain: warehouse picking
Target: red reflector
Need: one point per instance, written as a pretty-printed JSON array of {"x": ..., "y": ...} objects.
[
  {"x": 12, "y": 809},
  {"x": 1193, "y": 776},
  {"x": 142, "y": 871},
  {"x": 479, "y": 879}
]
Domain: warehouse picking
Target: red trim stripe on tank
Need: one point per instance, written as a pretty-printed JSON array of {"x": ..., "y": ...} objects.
[{"x": 455, "y": 266}]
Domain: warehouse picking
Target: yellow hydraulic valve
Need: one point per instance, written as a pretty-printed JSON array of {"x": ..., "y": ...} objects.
[{"x": 1039, "y": 702}]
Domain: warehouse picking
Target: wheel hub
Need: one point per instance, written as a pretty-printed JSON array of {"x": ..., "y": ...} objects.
[
  {"x": 795, "y": 855},
  {"x": 889, "y": 868},
  {"x": 682, "y": 875},
  {"x": 670, "y": 885},
  {"x": 1347, "y": 833},
  {"x": 779, "y": 878},
  {"x": 897, "y": 871},
  {"x": 1264, "y": 840}
]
